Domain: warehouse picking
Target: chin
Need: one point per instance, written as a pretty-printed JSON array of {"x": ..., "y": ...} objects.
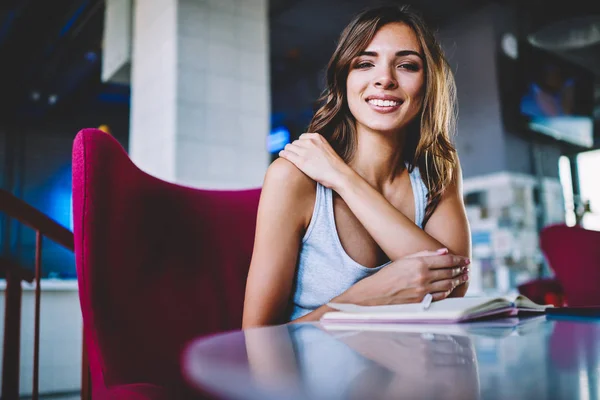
[
  {"x": 385, "y": 126},
  {"x": 382, "y": 123}
]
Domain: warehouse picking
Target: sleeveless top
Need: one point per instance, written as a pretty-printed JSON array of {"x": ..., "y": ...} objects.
[{"x": 324, "y": 268}]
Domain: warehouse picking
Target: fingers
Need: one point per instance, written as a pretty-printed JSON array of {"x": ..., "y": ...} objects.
[
  {"x": 299, "y": 146},
  {"x": 291, "y": 152},
  {"x": 309, "y": 135},
  {"x": 441, "y": 295},
  {"x": 447, "y": 273},
  {"x": 294, "y": 148},
  {"x": 442, "y": 289},
  {"x": 301, "y": 143},
  {"x": 308, "y": 140},
  {"x": 445, "y": 261}
]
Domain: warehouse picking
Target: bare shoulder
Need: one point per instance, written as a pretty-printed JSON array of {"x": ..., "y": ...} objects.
[
  {"x": 285, "y": 173},
  {"x": 287, "y": 183}
]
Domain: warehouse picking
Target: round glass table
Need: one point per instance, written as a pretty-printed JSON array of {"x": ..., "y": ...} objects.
[{"x": 534, "y": 358}]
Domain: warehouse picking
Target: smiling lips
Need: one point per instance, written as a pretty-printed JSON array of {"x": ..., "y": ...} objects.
[{"x": 384, "y": 104}]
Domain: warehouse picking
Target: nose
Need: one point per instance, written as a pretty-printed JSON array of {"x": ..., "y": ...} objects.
[{"x": 386, "y": 80}]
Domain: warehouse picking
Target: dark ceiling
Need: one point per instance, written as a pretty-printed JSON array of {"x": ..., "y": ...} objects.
[
  {"x": 50, "y": 52},
  {"x": 51, "y": 49}
]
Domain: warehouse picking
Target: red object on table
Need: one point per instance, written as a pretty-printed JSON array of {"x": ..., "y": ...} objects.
[{"x": 158, "y": 265}]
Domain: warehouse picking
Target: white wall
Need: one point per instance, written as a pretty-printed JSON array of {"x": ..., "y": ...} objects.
[{"x": 60, "y": 337}]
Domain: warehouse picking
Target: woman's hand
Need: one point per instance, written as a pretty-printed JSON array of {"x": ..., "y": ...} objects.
[
  {"x": 314, "y": 156},
  {"x": 409, "y": 279}
]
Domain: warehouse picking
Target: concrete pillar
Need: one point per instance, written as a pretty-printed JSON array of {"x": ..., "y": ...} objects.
[{"x": 200, "y": 101}]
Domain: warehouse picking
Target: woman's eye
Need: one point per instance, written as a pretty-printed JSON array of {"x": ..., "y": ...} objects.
[
  {"x": 410, "y": 67},
  {"x": 362, "y": 65}
]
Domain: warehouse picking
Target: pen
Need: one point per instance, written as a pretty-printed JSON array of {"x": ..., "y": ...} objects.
[{"x": 426, "y": 302}]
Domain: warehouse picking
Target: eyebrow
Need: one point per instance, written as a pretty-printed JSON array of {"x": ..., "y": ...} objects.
[{"x": 400, "y": 53}]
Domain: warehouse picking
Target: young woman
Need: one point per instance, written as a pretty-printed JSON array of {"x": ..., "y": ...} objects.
[{"x": 367, "y": 208}]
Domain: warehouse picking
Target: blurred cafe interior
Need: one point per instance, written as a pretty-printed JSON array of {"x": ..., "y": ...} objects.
[{"x": 205, "y": 93}]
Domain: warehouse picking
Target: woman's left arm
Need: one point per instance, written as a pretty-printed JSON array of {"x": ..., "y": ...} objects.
[{"x": 395, "y": 233}]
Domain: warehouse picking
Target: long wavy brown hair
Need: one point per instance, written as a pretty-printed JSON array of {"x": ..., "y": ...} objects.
[{"x": 428, "y": 144}]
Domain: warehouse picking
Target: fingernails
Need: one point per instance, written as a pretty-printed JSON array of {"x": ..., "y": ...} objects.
[
  {"x": 442, "y": 251},
  {"x": 465, "y": 270},
  {"x": 467, "y": 261},
  {"x": 465, "y": 278}
]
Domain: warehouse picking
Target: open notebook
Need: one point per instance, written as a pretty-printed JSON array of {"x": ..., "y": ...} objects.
[{"x": 460, "y": 309}]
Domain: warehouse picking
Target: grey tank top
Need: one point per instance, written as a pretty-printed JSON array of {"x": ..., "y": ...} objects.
[{"x": 324, "y": 268}]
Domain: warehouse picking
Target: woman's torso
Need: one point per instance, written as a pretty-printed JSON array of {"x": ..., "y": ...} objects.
[{"x": 337, "y": 251}]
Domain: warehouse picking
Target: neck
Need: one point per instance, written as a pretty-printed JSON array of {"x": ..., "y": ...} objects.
[{"x": 378, "y": 156}]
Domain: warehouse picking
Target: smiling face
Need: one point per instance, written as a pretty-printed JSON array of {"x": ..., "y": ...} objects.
[{"x": 386, "y": 81}]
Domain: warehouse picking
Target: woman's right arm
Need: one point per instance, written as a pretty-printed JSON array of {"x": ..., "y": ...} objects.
[{"x": 284, "y": 211}]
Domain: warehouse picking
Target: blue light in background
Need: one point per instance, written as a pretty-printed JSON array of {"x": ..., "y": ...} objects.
[
  {"x": 62, "y": 207},
  {"x": 91, "y": 56},
  {"x": 277, "y": 139},
  {"x": 60, "y": 202}
]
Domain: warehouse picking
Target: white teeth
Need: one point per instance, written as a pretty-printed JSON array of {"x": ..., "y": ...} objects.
[{"x": 384, "y": 103}]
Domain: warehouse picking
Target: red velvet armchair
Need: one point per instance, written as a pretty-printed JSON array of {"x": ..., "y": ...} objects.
[
  {"x": 574, "y": 255},
  {"x": 158, "y": 264}
]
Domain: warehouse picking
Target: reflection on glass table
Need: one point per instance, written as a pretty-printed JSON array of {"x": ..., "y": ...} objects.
[{"x": 517, "y": 359}]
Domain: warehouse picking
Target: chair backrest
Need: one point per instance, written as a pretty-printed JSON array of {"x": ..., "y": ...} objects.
[
  {"x": 574, "y": 255},
  {"x": 157, "y": 263}
]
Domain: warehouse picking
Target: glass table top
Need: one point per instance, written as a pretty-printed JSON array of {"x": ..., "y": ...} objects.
[{"x": 535, "y": 358}]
